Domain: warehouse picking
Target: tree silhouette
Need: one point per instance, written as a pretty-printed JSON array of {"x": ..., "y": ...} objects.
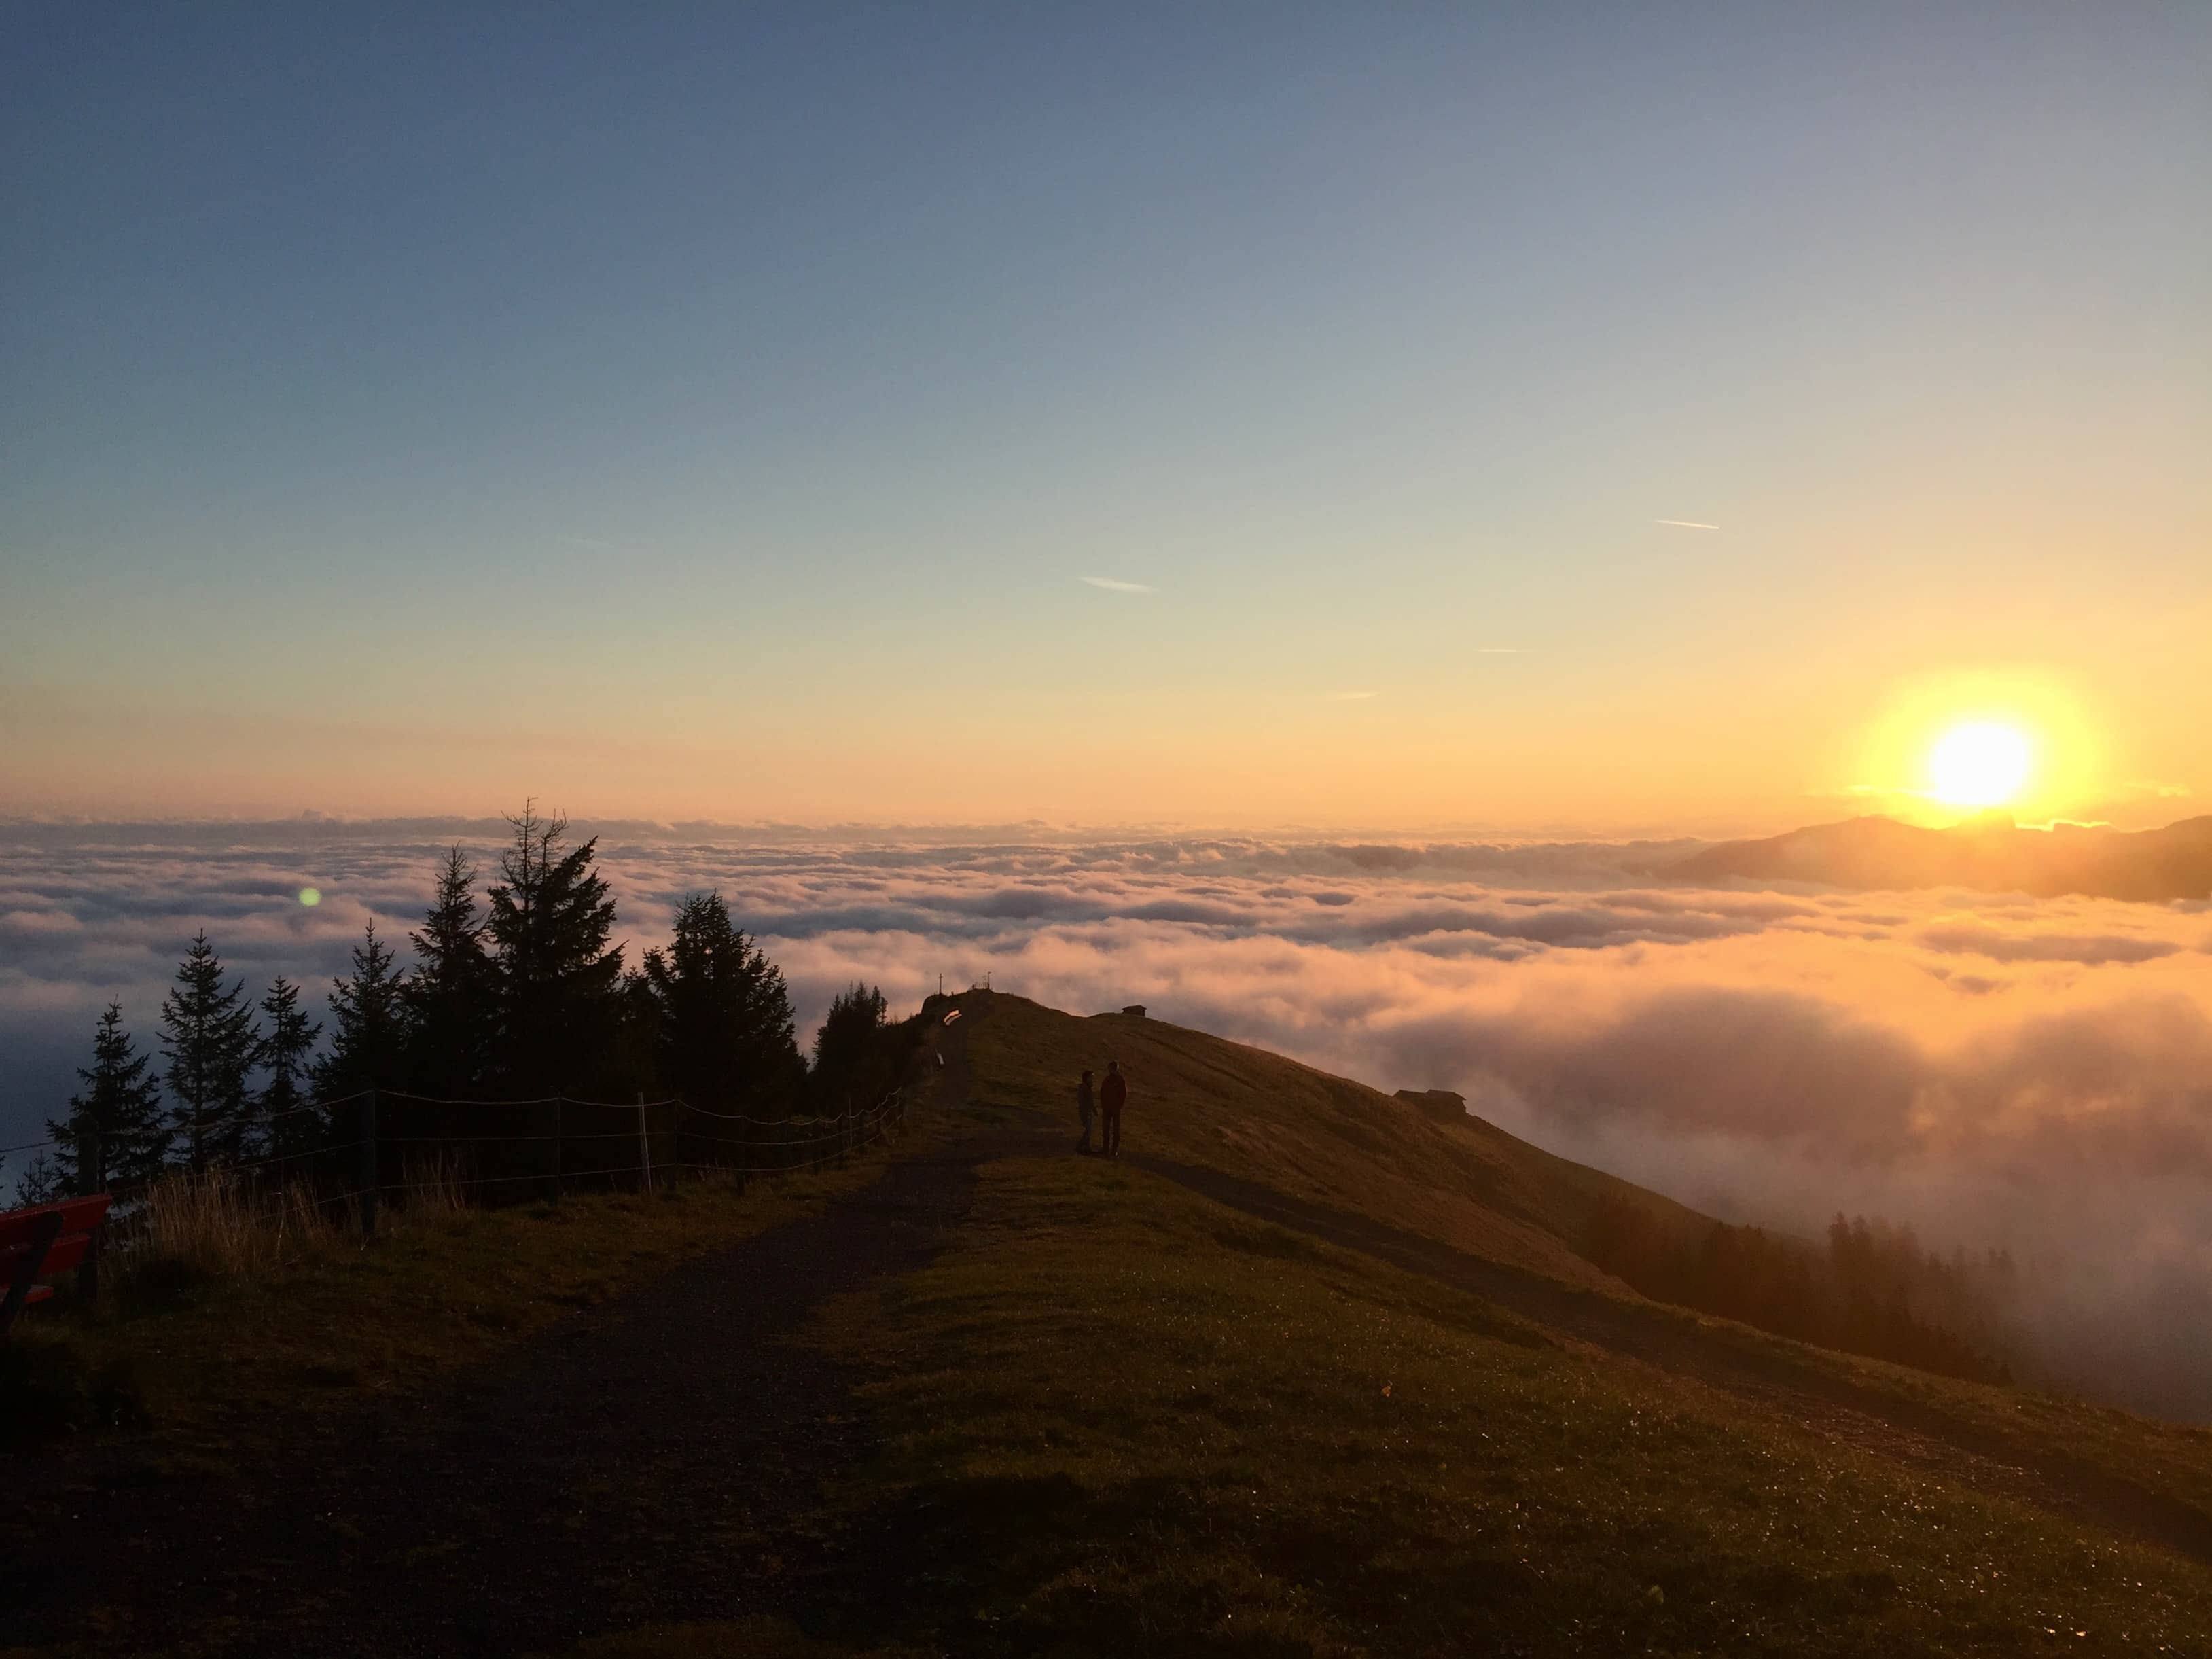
[
  {"x": 846, "y": 1049},
  {"x": 288, "y": 1126},
  {"x": 727, "y": 1037},
  {"x": 1874, "y": 1292},
  {"x": 40, "y": 1182},
  {"x": 209, "y": 1041},
  {"x": 451, "y": 998},
  {"x": 550, "y": 924},
  {"x": 640, "y": 1031},
  {"x": 366, "y": 1029},
  {"x": 115, "y": 1135}
]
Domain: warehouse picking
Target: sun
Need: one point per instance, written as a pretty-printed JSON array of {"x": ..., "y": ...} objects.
[{"x": 1979, "y": 763}]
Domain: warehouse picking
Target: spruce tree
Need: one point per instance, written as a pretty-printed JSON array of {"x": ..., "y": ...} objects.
[
  {"x": 727, "y": 1037},
  {"x": 450, "y": 997},
  {"x": 288, "y": 1126},
  {"x": 558, "y": 977},
  {"x": 638, "y": 1036},
  {"x": 367, "y": 1032},
  {"x": 848, "y": 1049},
  {"x": 115, "y": 1135},
  {"x": 40, "y": 1182},
  {"x": 209, "y": 1041}
]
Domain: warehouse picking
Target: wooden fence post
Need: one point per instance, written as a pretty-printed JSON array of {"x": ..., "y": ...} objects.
[
  {"x": 644, "y": 1149},
  {"x": 557, "y": 1187},
  {"x": 368, "y": 1169}
]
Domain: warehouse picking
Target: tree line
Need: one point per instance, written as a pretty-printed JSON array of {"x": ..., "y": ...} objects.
[
  {"x": 1874, "y": 1292},
  {"x": 518, "y": 993}
]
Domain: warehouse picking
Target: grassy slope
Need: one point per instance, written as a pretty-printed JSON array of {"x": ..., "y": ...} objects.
[
  {"x": 1201, "y": 1099},
  {"x": 1125, "y": 1420},
  {"x": 230, "y": 1363},
  {"x": 1121, "y": 1419}
]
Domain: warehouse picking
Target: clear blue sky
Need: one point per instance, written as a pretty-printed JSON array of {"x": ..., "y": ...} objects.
[{"x": 660, "y": 407}]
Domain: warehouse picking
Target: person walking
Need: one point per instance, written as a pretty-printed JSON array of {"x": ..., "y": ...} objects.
[
  {"x": 1086, "y": 1109},
  {"x": 1111, "y": 1094}
]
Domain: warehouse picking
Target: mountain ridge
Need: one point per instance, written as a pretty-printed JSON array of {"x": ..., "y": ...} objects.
[{"x": 1989, "y": 853}]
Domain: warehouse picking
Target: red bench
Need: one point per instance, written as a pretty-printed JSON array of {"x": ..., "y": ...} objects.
[{"x": 46, "y": 1238}]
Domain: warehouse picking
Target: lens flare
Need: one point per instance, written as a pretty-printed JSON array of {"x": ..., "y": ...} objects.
[{"x": 1979, "y": 763}]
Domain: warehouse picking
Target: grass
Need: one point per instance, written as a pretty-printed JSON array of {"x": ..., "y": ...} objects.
[
  {"x": 236, "y": 1321},
  {"x": 2172, "y": 1459},
  {"x": 1121, "y": 1419},
  {"x": 752, "y": 1638},
  {"x": 196, "y": 1228},
  {"x": 1116, "y": 1418},
  {"x": 1200, "y": 1099}
]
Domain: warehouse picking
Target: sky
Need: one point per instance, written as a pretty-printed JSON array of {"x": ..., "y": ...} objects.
[{"x": 1627, "y": 418}]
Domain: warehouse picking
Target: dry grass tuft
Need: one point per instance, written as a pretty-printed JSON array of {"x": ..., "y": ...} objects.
[
  {"x": 216, "y": 1225},
  {"x": 436, "y": 1186}
]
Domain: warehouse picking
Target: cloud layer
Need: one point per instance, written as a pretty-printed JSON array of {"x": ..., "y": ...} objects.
[{"x": 1997, "y": 1071}]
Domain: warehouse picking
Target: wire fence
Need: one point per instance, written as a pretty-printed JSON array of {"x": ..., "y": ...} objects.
[{"x": 349, "y": 1156}]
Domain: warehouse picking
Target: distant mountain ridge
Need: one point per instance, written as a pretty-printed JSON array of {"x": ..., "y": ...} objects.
[{"x": 1991, "y": 853}]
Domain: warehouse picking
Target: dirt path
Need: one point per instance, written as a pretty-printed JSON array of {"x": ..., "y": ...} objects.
[
  {"x": 1831, "y": 1406},
  {"x": 657, "y": 1459}
]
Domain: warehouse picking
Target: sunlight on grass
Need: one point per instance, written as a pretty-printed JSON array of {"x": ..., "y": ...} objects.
[
  {"x": 1121, "y": 1419},
  {"x": 1209, "y": 1101}
]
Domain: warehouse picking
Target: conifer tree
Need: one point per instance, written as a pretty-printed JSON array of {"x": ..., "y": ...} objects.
[
  {"x": 40, "y": 1182},
  {"x": 283, "y": 1113},
  {"x": 727, "y": 1036},
  {"x": 638, "y": 1042},
  {"x": 847, "y": 1049},
  {"x": 209, "y": 1041},
  {"x": 450, "y": 997},
  {"x": 366, "y": 1024},
  {"x": 115, "y": 1135},
  {"x": 558, "y": 978}
]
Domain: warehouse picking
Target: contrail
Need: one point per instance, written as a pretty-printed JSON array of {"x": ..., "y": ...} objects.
[
  {"x": 1686, "y": 524},
  {"x": 1112, "y": 585}
]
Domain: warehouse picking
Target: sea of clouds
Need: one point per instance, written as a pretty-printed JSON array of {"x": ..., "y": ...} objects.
[{"x": 1996, "y": 1070}]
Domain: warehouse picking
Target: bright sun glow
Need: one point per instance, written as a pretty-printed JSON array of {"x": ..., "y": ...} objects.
[{"x": 1980, "y": 763}]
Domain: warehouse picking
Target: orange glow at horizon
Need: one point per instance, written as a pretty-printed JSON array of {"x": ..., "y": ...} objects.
[{"x": 2022, "y": 740}]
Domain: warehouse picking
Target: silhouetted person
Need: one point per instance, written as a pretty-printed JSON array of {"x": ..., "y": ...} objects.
[
  {"x": 1086, "y": 1109},
  {"x": 1111, "y": 1093}
]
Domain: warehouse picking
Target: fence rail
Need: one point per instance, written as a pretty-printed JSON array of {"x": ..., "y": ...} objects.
[{"x": 378, "y": 1143}]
